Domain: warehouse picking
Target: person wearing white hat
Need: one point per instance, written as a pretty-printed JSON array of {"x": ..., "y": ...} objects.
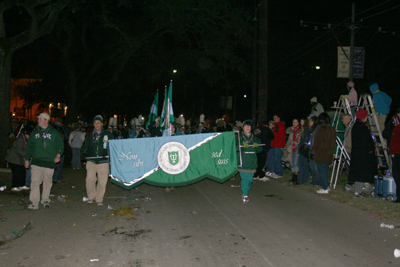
[
  {"x": 45, "y": 147},
  {"x": 316, "y": 108}
]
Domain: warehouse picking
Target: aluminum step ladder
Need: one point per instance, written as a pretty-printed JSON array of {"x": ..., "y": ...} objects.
[
  {"x": 341, "y": 160},
  {"x": 342, "y": 107},
  {"x": 365, "y": 102},
  {"x": 341, "y": 157}
]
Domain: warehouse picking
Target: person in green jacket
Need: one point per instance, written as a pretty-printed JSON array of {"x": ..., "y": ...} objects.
[
  {"x": 45, "y": 146},
  {"x": 247, "y": 157},
  {"x": 96, "y": 149}
]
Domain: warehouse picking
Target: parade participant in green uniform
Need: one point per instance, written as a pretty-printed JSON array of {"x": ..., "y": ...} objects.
[
  {"x": 45, "y": 147},
  {"x": 96, "y": 147},
  {"x": 247, "y": 157}
]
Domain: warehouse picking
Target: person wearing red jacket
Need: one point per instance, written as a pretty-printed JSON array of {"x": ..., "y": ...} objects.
[
  {"x": 274, "y": 158},
  {"x": 395, "y": 153}
]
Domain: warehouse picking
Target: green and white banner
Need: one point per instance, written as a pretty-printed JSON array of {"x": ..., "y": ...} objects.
[{"x": 174, "y": 160}]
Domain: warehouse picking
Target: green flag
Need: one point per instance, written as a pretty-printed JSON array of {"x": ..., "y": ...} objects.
[
  {"x": 153, "y": 112},
  {"x": 163, "y": 110},
  {"x": 167, "y": 115},
  {"x": 170, "y": 110}
]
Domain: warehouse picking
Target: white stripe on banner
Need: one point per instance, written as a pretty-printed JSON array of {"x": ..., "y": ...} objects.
[{"x": 156, "y": 169}]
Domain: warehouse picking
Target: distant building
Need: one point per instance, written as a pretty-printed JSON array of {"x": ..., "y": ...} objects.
[{"x": 21, "y": 111}]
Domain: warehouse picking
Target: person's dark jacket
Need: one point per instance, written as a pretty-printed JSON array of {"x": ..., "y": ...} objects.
[
  {"x": 387, "y": 132},
  {"x": 265, "y": 135},
  {"x": 97, "y": 148},
  {"x": 155, "y": 131},
  {"x": 324, "y": 144},
  {"x": 363, "y": 164},
  {"x": 17, "y": 151}
]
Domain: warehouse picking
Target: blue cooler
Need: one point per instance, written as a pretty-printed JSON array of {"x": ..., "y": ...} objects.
[{"x": 385, "y": 187}]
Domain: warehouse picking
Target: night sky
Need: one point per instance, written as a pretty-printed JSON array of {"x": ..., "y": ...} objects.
[
  {"x": 293, "y": 53},
  {"x": 292, "y": 76}
]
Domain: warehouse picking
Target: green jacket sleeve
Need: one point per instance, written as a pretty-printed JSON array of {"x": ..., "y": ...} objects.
[{"x": 59, "y": 144}]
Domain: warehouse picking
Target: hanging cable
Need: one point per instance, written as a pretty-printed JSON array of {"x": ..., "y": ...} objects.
[
  {"x": 307, "y": 52},
  {"x": 316, "y": 39},
  {"x": 380, "y": 13},
  {"x": 372, "y": 8}
]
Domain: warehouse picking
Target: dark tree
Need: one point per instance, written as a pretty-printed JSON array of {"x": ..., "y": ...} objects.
[{"x": 21, "y": 23}]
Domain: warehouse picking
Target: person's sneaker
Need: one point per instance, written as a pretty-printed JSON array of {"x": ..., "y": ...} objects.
[
  {"x": 275, "y": 176},
  {"x": 15, "y": 189},
  {"x": 264, "y": 179},
  {"x": 323, "y": 191},
  {"x": 256, "y": 178},
  {"x": 46, "y": 204},
  {"x": 245, "y": 199},
  {"x": 99, "y": 203},
  {"x": 357, "y": 195},
  {"x": 269, "y": 174},
  {"x": 31, "y": 207},
  {"x": 25, "y": 188},
  {"x": 73, "y": 168},
  {"x": 90, "y": 201}
]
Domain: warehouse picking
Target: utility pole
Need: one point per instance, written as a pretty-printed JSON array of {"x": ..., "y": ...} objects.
[
  {"x": 352, "y": 28},
  {"x": 262, "y": 62},
  {"x": 255, "y": 70}
]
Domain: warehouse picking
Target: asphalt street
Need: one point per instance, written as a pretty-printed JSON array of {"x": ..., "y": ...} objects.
[{"x": 204, "y": 224}]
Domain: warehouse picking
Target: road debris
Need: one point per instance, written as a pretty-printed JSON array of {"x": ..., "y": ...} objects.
[
  {"x": 61, "y": 199},
  {"x": 15, "y": 234},
  {"x": 384, "y": 225}
]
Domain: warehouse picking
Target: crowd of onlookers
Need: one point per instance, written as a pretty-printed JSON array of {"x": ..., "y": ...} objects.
[{"x": 307, "y": 146}]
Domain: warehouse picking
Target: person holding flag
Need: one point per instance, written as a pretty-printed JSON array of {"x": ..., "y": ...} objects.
[
  {"x": 153, "y": 123},
  {"x": 153, "y": 112}
]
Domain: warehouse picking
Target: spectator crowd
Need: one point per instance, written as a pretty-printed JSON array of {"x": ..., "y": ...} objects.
[{"x": 37, "y": 152}]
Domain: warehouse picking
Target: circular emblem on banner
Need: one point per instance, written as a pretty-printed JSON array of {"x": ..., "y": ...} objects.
[{"x": 173, "y": 157}]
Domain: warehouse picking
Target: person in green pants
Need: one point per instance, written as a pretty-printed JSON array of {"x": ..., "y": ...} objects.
[{"x": 247, "y": 158}]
